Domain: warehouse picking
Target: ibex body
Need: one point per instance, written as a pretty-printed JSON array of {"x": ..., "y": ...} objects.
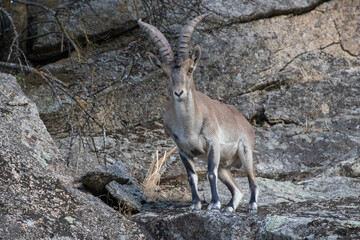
[{"x": 202, "y": 127}]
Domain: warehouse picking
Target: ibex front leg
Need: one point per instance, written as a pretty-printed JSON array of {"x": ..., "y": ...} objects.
[
  {"x": 193, "y": 181},
  {"x": 212, "y": 175}
]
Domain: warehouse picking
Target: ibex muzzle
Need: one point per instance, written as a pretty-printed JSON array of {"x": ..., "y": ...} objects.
[{"x": 202, "y": 127}]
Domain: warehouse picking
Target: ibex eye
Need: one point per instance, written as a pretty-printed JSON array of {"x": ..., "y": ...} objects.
[{"x": 191, "y": 70}]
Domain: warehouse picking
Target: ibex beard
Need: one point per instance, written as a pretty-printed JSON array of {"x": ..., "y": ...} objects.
[{"x": 202, "y": 127}]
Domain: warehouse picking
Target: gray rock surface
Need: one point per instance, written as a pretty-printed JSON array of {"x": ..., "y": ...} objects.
[
  {"x": 115, "y": 179},
  {"x": 251, "y": 10},
  {"x": 240, "y": 63},
  {"x": 323, "y": 104},
  {"x": 293, "y": 70},
  {"x": 97, "y": 179},
  {"x": 318, "y": 127},
  {"x": 37, "y": 198},
  {"x": 23, "y": 134},
  {"x": 314, "y": 209},
  {"x": 130, "y": 196},
  {"x": 85, "y": 22}
]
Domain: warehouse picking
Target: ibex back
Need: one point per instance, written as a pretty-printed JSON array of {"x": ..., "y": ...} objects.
[{"x": 202, "y": 127}]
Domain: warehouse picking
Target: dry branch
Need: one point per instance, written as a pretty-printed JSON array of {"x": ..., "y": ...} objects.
[
  {"x": 153, "y": 176},
  {"x": 53, "y": 82}
]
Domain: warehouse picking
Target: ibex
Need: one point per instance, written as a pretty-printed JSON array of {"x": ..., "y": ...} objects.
[{"x": 202, "y": 127}]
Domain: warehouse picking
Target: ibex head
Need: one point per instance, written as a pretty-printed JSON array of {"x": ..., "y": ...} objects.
[{"x": 179, "y": 67}]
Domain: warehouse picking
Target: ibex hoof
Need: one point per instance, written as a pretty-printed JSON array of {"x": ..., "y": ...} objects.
[
  {"x": 195, "y": 207},
  {"x": 252, "y": 207},
  {"x": 214, "y": 206},
  {"x": 228, "y": 209}
]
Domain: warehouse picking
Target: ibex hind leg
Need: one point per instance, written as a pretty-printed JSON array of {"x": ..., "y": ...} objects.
[
  {"x": 226, "y": 178},
  {"x": 246, "y": 157}
]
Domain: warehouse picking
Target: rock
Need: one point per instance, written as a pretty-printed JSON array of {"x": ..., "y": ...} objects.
[
  {"x": 349, "y": 165},
  {"x": 268, "y": 225},
  {"x": 129, "y": 146},
  {"x": 116, "y": 180},
  {"x": 315, "y": 210},
  {"x": 250, "y": 11},
  {"x": 22, "y": 132},
  {"x": 37, "y": 198},
  {"x": 97, "y": 179},
  {"x": 319, "y": 103},
  {"x": 284, "y": 151},
  {"x": 293, "y": 71},
  {"x": 240, "y": 62},
  {"x": 272, "y": 52},
  {"x": 315, "y": 130},
  {"x": 130, "y": 197},
  {"x": 85, "y": 22}
]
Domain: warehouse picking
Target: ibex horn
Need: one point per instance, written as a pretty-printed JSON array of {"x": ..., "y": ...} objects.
[
  {"x": 186, "y": 35},
  {"x": 159, "y": 40}
]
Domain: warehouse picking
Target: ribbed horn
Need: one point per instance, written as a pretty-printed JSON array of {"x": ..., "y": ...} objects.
[
  {"x": 186, "y": 36},
  {"x": 159, "y": 40}
]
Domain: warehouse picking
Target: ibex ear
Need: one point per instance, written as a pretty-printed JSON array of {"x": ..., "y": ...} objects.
[
  {"x": 196, "y": 55},
  {"x": 154, "y": 60}
]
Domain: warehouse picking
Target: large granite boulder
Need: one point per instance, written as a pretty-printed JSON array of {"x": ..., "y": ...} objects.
[{"x": 37, "y": 198}]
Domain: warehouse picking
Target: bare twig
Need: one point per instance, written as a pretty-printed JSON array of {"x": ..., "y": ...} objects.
[
  {"x": 15, "y": 41},
  {"x": 80, "y": 100},
  {"x": 37, "y": 36},
  {"x": 80, "y": 95},
  {"x": 60, "y": 24},
  {"x": 51, "y": 80}
]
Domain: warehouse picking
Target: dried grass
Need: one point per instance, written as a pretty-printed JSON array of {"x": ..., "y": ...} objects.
[{"x": 152, "y": 179}]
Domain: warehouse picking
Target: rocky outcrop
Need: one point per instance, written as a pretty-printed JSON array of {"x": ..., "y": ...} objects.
[
  {"x": 240, "y": 62},
  {"x": 130, "y": 197},
  {"x": 293, "y": 70},
  {"x": 247, "y": 63},
  {"x": 313, "y": 209},
  {"x": 316, "y": 128},
  {"x": 37, "y": 199}
]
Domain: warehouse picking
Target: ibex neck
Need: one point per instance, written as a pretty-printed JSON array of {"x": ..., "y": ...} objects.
[{"x": 186, "y": 112}]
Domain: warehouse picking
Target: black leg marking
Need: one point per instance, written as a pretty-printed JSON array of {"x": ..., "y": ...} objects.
[
  {"x": 211, "y": 162},
  {"x": 196, "y": 152},
  {"x": 212, "y": 176},
  {"x": 192, "y": 177},
  {"x": 175, "y": 137},
  {"x": 252, "y": 207},
  {"x": 245, "y": 149},
  {"x": 253, "y": 189}
]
